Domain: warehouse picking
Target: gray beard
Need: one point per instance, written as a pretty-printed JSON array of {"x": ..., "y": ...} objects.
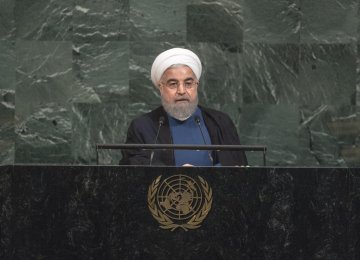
[{"x": 180, "y": 112}]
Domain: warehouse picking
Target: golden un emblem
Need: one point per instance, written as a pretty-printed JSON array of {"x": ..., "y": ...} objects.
[{"x": 179, "y": 201}]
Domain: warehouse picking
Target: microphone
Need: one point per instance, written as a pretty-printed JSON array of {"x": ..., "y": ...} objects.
[
  {"x": 161, "y": 123},
  {"x": 197, "y": 120}
]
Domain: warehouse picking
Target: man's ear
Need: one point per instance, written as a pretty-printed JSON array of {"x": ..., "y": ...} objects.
[{"x": 159, "y": 89}]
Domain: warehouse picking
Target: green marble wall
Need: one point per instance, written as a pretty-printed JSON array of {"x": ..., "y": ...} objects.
[{"x": 74, "y": 73}]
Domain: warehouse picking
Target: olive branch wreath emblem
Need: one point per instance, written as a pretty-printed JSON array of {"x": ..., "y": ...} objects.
[{"x": 166, "y": 222}]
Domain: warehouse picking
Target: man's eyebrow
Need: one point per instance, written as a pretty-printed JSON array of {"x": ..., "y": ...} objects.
[{"x": 172, "y": 80}]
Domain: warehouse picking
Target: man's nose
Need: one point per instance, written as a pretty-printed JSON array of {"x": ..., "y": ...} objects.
[{"x": 181, "y": 88}]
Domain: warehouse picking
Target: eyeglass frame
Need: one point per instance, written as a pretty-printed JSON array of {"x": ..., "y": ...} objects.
[{"x": 175, "y": 84}]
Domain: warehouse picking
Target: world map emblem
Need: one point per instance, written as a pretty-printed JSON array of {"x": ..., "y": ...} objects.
[{"x": 179, "y": 201}]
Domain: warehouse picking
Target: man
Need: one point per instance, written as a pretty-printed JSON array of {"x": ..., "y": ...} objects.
[{"x": 180, "y": 120}]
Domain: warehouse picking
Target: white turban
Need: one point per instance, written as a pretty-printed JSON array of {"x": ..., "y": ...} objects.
[{"x": 171, "y": 57}]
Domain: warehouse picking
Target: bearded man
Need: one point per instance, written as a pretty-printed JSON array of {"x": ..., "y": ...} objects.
[{"x": 176, "y": 74}]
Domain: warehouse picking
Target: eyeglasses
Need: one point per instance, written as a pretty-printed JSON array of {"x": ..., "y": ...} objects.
[{"x": 176, "y": 84}]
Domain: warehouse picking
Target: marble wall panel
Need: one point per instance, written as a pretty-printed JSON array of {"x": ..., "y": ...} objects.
[
  {"x": 98, "y": 124},
  {"x": 43, "y": 75},
  {"x": 7, "y": 66},
  {"x": 159, "y": 21},
  {"x": 100, "y": 20},
  {"x": 327, "y": 75},
  {"x": 101, "y": 71},
  {"x": 215, "y": 22},
  {"x": 7, "y": 132},
  {"x": 271, "y": 73},
  {"x": 44, "y": 136},
  {"x": 272, "y": 21},
  {"x": 329, "y": 21},
  {"x": 332, "y": 134},
  {"x": 43, "y": 20},
  {"x": 275, "y": 126},
  {"x": 357, "y": 109},
  {"x": 7, "y": 102},
  {"x": 7, "y": 22},
  {"x": 358, "y": 77},
  {"x": 43, "y": 89}
]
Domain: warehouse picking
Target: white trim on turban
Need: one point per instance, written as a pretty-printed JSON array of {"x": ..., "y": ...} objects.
[{"x": 171, "y": 57}]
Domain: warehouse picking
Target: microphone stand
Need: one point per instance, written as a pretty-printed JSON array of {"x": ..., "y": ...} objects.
[
  {"x": 161, "y": 123},
  {"x": 197, "y": 120}
]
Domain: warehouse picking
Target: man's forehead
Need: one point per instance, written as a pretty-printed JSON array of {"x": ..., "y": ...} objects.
[{"x": 176, "y": 72}]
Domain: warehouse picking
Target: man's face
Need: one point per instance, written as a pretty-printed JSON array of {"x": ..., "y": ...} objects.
[{"x": 178, "y": 89}]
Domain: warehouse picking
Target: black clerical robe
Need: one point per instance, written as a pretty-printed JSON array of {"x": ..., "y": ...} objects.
[{"x": 143, "y": 129}]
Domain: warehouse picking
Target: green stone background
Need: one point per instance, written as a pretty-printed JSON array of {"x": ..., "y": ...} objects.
[{"x": 74, "y": 73}]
